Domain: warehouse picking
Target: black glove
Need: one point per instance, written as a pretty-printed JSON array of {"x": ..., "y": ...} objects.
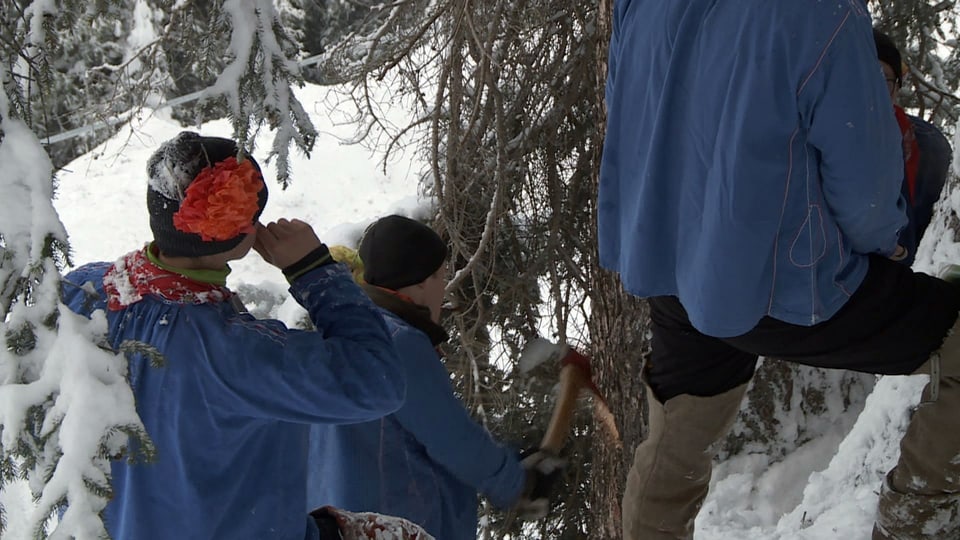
[{"x": 543, "y": 472}]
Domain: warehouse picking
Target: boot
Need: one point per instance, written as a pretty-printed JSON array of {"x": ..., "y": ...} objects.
[
  {"x": 671, "y": 468},
  {"x": 906, "y": 516},
  {"x": 920, "y": 497}
]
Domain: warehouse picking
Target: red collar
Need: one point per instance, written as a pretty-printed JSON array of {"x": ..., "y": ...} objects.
[
  {"x": 401, "y": 296},
  {"x": 134, "y": 276},
  {"x": 911, "y": 151}
]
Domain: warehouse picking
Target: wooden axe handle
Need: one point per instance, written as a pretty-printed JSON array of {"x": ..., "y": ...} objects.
[{"x": 573, "y": 377}]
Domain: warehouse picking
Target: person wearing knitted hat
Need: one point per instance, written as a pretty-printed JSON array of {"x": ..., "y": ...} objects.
[
  {"x": 926, "y": 152},
  {"x": 427, "y": 461},
  {"x": 230, "y": 407}
]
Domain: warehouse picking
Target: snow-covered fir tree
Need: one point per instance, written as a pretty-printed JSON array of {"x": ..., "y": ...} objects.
[{"x": 67, "y": 409}]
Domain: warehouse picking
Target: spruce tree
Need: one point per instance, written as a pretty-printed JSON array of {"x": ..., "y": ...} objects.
[
  {"x": 510, "y": 102},
  {"x": 506, "y": 114},
  {"x": 91, "y": 66},
  {"x": 68, "y": 409}
]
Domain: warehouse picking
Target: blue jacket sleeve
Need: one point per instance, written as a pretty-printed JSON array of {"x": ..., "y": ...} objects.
[
  {"x": 440, "y": 422},
  {"x": 346, "y": 371},
  {"x": 850, "y": 121}
]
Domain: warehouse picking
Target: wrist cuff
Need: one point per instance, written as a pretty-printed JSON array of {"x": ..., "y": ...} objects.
[{"x": 314, "y": 259}]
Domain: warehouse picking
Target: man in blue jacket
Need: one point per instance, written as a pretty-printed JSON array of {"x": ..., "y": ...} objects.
[
  {"x": 230, "y": 407},
  {"x": 750, "y": 188},
  {"x": 427, "y": 461}
]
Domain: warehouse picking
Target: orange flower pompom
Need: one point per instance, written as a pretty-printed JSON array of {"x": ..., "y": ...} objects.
[{"x": 221, "y": 201}]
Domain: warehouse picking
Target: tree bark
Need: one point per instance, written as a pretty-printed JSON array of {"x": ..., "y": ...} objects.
[{"x": 619, "y": 325}]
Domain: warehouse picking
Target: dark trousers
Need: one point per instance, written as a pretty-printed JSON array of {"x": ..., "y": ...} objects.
[{"x": 890, "y": 326}]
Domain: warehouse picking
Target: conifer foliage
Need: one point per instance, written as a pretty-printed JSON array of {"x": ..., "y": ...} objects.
[
  {"x": 511, "y": 95},
  {"x": 926, "y": 33},
  {"x": 66, "y": 408},
  {"x": 508, "y": 101}
]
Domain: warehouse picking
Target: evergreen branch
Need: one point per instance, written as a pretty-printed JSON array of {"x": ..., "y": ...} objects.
[{"x": 131, "y": 348}]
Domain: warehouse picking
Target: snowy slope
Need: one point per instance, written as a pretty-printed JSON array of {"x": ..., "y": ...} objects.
[{"x": 825, "y": 489}]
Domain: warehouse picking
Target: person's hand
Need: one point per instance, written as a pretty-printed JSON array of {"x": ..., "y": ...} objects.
[
  {"x": 543, "y": 472},
  {"x": 899, "y": 254},
  {"x": 284, "y": 242}
]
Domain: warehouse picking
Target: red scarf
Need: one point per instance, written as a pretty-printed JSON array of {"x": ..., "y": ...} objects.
[
  {"x": 134, "y": 276},
  {"x": 911, "y": 151}
]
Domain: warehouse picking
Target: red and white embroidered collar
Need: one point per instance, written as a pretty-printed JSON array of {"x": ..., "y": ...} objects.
[{"x": 134, "y": 276}]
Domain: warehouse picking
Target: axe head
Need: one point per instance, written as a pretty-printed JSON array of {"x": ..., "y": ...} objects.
[
  {"x": 538, "y": 351},
  {"x": 575, "y": 376}
]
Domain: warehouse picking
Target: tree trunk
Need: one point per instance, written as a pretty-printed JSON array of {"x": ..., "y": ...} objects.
[{"x": 619, "y": 326}]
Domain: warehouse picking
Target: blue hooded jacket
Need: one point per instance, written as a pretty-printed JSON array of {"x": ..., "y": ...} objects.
[
  {"x": 229, "y": 411},
  {"x": 752, "y": 159},
  {"x": 426, "y": 462}
]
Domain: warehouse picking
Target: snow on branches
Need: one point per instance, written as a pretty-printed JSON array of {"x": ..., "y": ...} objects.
[
  {"x": 65, "y": 406},
  {"x": 256, "y": 82}
]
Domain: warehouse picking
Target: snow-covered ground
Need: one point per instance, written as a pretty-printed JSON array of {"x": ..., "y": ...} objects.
[{"x": 825, "y": 489}]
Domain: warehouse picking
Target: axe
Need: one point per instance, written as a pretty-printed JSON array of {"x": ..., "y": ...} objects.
[{"x": 575, "y": 375}]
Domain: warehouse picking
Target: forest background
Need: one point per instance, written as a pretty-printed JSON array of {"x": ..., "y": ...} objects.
[{"x": 505, "y": 111}]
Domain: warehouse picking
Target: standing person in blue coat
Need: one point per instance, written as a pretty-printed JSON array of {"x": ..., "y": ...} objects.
[
  {"x": 427, "y": 461},
  {"x": 230, "y": 409},
  {"x": 750, "y": 189}
]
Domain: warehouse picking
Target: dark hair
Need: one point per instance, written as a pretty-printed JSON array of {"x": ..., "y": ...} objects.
[{"x": 888, "y": 53}]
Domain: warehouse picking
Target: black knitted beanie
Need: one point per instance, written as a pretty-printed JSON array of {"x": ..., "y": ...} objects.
[{"x": 397, "y": 252}]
